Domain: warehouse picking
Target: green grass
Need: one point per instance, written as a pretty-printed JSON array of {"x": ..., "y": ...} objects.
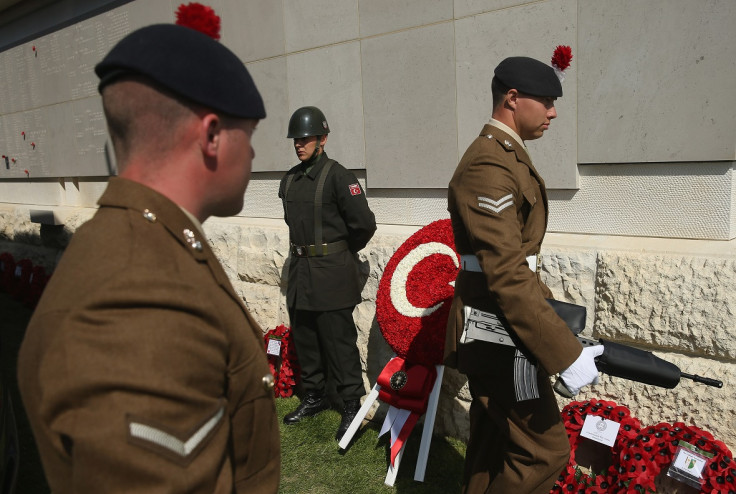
[{"x": 312, "y": 462}]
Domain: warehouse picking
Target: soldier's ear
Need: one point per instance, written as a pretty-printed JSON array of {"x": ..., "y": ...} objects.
[
  {"x": 210, "y": 131},
  {"x": 511, "y": 98}
]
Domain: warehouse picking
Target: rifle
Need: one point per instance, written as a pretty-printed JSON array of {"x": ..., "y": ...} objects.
[
  {"x": 635, "y": 365},
  {"x": 617, "y": 359},
  {"x": 621, "y": 360}
]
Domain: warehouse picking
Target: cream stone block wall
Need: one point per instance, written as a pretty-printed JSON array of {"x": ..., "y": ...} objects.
[
  {"x": 642, "y": 146},
  {"x": 676, "y": 300}
]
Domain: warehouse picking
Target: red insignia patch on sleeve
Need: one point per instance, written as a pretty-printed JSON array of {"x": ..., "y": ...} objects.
[{"x": 354, "y": 189}]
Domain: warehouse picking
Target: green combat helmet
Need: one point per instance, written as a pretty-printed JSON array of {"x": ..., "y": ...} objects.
[{"x": 308, "y": 121}]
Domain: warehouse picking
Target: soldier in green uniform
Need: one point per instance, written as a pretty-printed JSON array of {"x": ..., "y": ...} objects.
[{"x": 329, "y": 221}]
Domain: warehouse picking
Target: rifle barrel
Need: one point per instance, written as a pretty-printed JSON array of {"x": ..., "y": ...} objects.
[{"x": 704, "y": 380}]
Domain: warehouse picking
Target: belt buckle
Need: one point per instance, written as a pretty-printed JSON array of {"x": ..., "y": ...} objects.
[{"x": 299, "y": 250}]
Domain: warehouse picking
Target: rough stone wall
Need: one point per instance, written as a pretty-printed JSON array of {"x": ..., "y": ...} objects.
[
  {"x": 682, "y": 309},
  {"x": 678, "y": 306}
]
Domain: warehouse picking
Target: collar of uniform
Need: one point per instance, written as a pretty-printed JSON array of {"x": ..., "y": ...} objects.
[
  {"x": 154, "y": 208},
  {"x": 316, "y": 166},
  {"x": 194, "y": 220},
  {"x": 502, "y": 137},
  {"x": 510, "y": 132},
  {"x": 505, "y": 141}
]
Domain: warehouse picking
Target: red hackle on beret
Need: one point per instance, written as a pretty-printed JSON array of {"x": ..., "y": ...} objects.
[
  {"x": 562, "y": 57},
  {"x": 199, "y": 17}
]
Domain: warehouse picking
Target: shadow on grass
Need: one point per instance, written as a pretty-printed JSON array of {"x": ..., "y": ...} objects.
[{"x": 313, "y": 463}]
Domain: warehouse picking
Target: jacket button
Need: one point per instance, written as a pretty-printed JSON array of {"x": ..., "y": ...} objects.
[
  {"x": 268, "y": 382},
  {"x": 149, "y": 216}
]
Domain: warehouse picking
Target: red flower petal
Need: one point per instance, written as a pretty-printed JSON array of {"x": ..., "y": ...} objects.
[
  {"x": 562, "y": 57},
  {"x": 200, "y": 18}
]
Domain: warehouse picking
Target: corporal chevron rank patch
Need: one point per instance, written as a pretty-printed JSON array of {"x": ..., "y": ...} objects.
[{"x": 496, "y": 205}]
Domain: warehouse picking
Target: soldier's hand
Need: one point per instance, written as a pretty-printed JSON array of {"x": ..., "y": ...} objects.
[{"x": 583, "y": 371}]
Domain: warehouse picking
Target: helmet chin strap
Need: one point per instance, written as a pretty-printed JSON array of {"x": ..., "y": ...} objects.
[{"x": 317, "y": 149}]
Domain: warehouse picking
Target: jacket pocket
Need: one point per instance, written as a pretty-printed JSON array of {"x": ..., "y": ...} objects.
[{"x": 530, "y": 195}]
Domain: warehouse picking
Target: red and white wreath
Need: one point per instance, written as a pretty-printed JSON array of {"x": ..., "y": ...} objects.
[{"x": 415, "y": 294}]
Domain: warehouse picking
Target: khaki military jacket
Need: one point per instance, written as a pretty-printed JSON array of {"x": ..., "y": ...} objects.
[
  {"x": 141, "y": 370},
  {"x": 498, "y": 207}
]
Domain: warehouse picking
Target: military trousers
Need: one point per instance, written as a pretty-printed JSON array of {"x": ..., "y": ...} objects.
[
  {"x": 326, "y": 345},
  {"x": 519, "y": 447}
]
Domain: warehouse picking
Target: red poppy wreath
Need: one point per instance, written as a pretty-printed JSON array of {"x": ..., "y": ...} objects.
[
  {"x": 655, "y": 448},
  {"x": 285, "y": 366},
  {"x": 573, "y": 479},
  {"x": 640, "y": 454},
  {"x": 415, "y": 294}
]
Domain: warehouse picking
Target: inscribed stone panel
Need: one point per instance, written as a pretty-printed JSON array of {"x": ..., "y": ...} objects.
[
  {"x": 273, "y": 151},
  {"x": 253, "y": 30}
]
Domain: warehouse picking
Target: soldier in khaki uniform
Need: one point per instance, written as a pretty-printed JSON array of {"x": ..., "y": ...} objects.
[
  {"x": 141, "y": 370},
  {"x": 498, "y": 207}
]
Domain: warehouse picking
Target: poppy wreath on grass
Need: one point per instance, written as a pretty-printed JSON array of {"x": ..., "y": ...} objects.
[
  {"x": 573, "y": 479},
  {"x": 285, "y": 367},
  {"x": 656, "y": 446}
]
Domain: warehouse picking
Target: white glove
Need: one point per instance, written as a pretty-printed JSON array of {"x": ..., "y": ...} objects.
[{"x": 583, "y": 371}]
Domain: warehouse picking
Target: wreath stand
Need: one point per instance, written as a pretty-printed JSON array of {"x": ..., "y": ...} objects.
[
  {"x": 429, "y": 417},
  {"x": 412, "y": 306}
]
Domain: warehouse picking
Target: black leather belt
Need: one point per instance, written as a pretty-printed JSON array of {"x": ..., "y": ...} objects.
[{"x": 319, "y": 250}]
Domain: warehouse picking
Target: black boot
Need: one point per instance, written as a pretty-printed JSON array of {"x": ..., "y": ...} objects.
[
  {"x": 311, "y": 405},
  {"x": 351, "y": 409}
]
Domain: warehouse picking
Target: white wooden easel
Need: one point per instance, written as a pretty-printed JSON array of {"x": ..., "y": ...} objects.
[{"x": 429, "y": 417}]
